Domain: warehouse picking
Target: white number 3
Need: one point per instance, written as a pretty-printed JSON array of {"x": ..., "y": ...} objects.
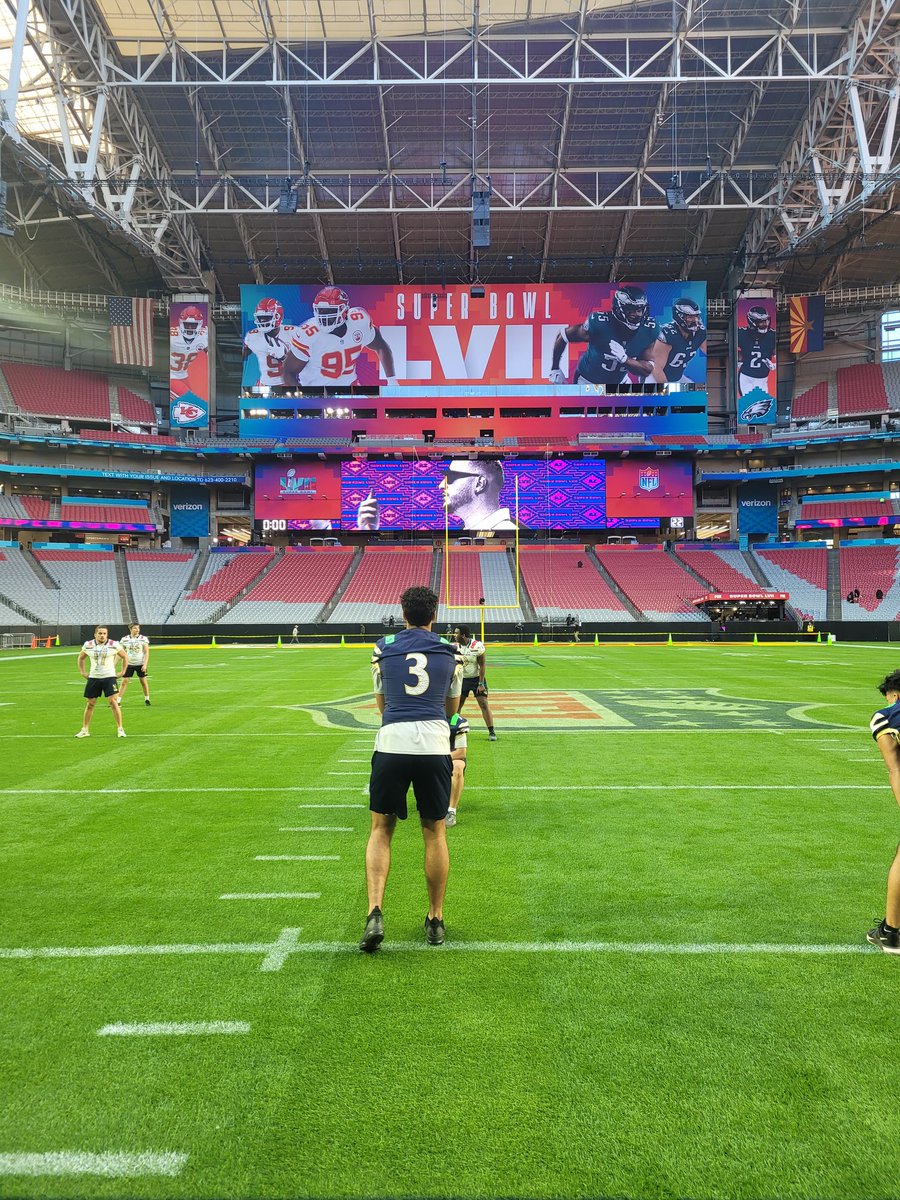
[{"x": 417, "y": 668}]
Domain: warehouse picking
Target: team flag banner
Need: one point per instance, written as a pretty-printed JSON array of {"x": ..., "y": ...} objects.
[
  {"x": 189, "y": 365},
  {"x": 807, "y": 315},
  {"x": 757, "y": 373},
  {"x": 605, "y": 334},
  {"x": 131, "y": 330}
]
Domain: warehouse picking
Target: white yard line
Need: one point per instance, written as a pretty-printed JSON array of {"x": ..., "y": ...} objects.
[
  {"x": 297, "y": 858},
  {"x": 173, "y": 1029},
  {"x": 351, "y": 774},
  {"x": 549, "y": 787},
  {"x": 276, "y": 953},
  {"x": 332, "y": 805},
  {"x": 271, "y": 896},
  {"x": 80, "y": 1162}
]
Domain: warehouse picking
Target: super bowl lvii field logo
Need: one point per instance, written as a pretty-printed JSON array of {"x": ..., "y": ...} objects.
[{"x": 620, "y": 710}]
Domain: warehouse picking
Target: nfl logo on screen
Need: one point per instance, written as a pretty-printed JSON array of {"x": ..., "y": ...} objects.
[{"x": 648, "y": 479}]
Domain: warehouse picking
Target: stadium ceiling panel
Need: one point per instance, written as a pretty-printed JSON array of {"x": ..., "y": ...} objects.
[{"x": 169, "y": 136}]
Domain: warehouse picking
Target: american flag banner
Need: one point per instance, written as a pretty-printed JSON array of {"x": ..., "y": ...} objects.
[{"x": 131, "y": 327}]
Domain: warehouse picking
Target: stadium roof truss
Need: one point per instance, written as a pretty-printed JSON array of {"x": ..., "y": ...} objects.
[{"x": 182, "y": 134}]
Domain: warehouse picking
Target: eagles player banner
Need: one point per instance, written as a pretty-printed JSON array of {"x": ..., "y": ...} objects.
[
  {"x": 596, "y": 335},
  {"x": 757, "y": 375},
  {"x": 189, "y": 365}
]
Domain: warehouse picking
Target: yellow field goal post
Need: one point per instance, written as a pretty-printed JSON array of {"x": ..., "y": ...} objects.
[{"x": 480, "y": 609}]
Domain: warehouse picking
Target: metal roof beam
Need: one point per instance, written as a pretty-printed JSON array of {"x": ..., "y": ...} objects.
[
  {"x": 561, "y": 140},
  {"x": 831, "y": 133},
  {"x": 745, "y": 120},
  {"x": 722, "y": 57},
  {"x": 656, "y": 121},
  {"x": 386, "y": 144}
]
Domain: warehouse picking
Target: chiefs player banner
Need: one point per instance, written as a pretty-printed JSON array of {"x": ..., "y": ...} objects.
[
  {"x": 757, "y": 374},
  {"x": 189, "y": 365},
  {"x": 600, "y": 334}
]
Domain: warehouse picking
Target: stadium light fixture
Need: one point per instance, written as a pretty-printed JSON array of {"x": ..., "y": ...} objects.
[{"x": 675, "y": 200}]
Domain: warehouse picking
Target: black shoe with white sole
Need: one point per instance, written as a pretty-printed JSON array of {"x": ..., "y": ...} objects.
[
  {"x": 887, "y": 940},
  {"x": 434, "y": 931},
  {"x": 374, "y": 932}
]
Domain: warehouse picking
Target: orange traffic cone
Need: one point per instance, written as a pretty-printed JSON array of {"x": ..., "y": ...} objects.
[
  {"x": 48, "y": 643},
  {"x": 33, "y": 642}
]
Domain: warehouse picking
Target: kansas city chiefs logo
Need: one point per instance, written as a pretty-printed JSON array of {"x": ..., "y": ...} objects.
[
  {"x": 648, "y": 479},
  {"x": 183, "y": 412},
  {"x": 757, "y": 411}
]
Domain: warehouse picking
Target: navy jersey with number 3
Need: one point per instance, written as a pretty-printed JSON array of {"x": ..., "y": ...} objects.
[
  {"x": 886, "y": 721},
  {"x": 414, "y": 669}
]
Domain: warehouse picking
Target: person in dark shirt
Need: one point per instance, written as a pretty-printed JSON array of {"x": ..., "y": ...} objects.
[
  {"x": 680, "y": 339},
  {"x": 620, "y": 343},
  {"x": 756, "y": 347},
  {"x": 417, "y": 678},
  {"x": 885, "y": 727}
]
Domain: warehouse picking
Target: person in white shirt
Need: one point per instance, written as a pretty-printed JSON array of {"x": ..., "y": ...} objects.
[
  {"x": 459, "y": 728},
  {"x": 137, "y": 652},
  {"x": 474, "y": 681},
  {"x": 102, "y": 657}
]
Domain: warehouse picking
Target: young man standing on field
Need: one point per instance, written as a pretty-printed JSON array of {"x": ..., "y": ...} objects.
[
  {"x": 416, "y": 676},
  {"x": 102, "y": 655},
  {"x": 885, "y": 727},
  {"x": 474, "y": 680},
  {"x": 137, "y": 651}
]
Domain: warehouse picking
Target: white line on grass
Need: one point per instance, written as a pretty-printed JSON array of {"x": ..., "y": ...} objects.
[
  {"x": 316, "y": 829},
  {"x": 332, "y": 805},
  {"x": 351, "y": 774},
  {"x": 298, "y": 858},
  {"x": 549, "y": 787},
  {"x": 79, "y": 1162},
  {"x": 271, "y": 896},
  {"x": 319, "y": 733},
  {"x": 173, "y": 1029},
  {"x": 276, "y": 953}
]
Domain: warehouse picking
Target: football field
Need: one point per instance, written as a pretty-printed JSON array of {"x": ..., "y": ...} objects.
[{"x": 655, "y": 982}]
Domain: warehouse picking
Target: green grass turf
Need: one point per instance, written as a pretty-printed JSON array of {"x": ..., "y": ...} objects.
[{"x": 441, "y": 1073}]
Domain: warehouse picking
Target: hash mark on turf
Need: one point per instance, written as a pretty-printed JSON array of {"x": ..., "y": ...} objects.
[
  {"x": 79, "y": 1162},
  {"x": 281, "y": 948},
  {"x": 170, "y": 1028},
  {"x": 298, "y": 858},
  {"x": 316, "y": 829},
  {"x": 271, "y": 896}
]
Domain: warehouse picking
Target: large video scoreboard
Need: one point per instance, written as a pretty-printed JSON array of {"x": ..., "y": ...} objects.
[{"x": 558, "y": 493}]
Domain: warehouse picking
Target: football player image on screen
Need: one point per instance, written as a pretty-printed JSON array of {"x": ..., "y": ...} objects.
[
  {"x": 270, "y": 342},
  {"x": 680, "y": 339},
  {"x": 620, "y": 343},
  {"x": 756, "y": 347},
  {"x": 187, "y": 341},
  {"x": 324, "y": 349}
]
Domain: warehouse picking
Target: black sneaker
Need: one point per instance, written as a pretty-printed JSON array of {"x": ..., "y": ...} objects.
[
  {"x": 887, "y": 940},
  {"x": 434, "y": 931},
  {"x": 147, "y": 702},
  {"x": 374, "y": 932}
]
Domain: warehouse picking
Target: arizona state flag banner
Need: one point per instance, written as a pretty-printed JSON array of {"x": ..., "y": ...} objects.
[{"x": 807, "y": 324}]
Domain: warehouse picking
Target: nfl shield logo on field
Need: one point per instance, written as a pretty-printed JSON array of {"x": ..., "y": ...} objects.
[{"x": 648, "y": 479}]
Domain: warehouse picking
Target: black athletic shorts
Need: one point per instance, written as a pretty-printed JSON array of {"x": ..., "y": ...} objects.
[
  {"x": 100, "y": 687},
  {"x": 430, "y": 776},
  {"x": 135, "y": 669},
  {"x": 469, "y": 686}
]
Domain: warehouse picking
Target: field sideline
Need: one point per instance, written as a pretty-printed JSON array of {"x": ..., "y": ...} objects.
[{"x": 656, "y": 982}]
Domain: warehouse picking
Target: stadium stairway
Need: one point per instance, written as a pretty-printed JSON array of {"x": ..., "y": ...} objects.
[
  {"x": 197, "y": 574},
  {"x": 126, "y": 595},
  {"x": 613, "y": 586},
  {"x": 834, "y": 599},
  {"x": 682, "y": 562},
  {"x": 228, "y": 605},
  {"x": 39, "y": 569},
  {"x": 755, "y": 569},
  {"x": 525, "y": 604},
  {"x": 437, "y": 570},
  {"x": 331, "y": 604}
]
